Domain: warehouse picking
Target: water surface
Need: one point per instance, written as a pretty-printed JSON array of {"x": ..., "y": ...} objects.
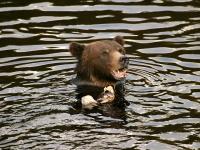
[{"x": 163, "y": 84}]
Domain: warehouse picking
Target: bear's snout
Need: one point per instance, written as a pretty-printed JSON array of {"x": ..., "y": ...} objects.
[{"x": 124, "y": 61}]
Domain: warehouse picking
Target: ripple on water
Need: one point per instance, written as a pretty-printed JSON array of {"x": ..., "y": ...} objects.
[{"x": 36, "y": 69}]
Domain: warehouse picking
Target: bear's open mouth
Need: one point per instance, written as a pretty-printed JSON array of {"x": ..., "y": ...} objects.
[{"x": 119, "y": 74}]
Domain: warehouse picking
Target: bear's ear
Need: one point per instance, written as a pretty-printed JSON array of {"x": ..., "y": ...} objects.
[
  {"x": 120, "y": 40},
  {"x": 76, "y": 49}
]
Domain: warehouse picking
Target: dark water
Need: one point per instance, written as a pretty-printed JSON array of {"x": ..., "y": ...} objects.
[{"x": 163, "y": 85}]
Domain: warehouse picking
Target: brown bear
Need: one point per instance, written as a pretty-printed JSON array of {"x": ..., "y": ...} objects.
[{"x": 101, "y": 64}]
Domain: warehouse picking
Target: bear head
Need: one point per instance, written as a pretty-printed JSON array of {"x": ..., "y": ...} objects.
[{"x": 101, "y": 63}]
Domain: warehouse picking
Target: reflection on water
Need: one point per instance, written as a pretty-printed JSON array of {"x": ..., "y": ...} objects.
[{"x": 162, "y": 41}]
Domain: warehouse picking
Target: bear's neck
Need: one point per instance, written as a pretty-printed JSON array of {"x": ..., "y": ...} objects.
[
  {"x": 89, "y": 88},
  {"x": 94, "y": 82},
  {"x": 83, "y": 90}
]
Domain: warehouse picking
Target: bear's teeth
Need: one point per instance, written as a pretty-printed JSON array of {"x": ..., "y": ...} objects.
[{"x": 119, "y": 74}]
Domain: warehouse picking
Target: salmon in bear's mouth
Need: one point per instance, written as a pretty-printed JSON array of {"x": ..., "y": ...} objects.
[{"x": 119, "y": 74}]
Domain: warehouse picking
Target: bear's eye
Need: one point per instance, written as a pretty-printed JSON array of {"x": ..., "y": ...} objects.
[
  {"x": 105, "y": 52},
  {"x": 121, "y": 51}
]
